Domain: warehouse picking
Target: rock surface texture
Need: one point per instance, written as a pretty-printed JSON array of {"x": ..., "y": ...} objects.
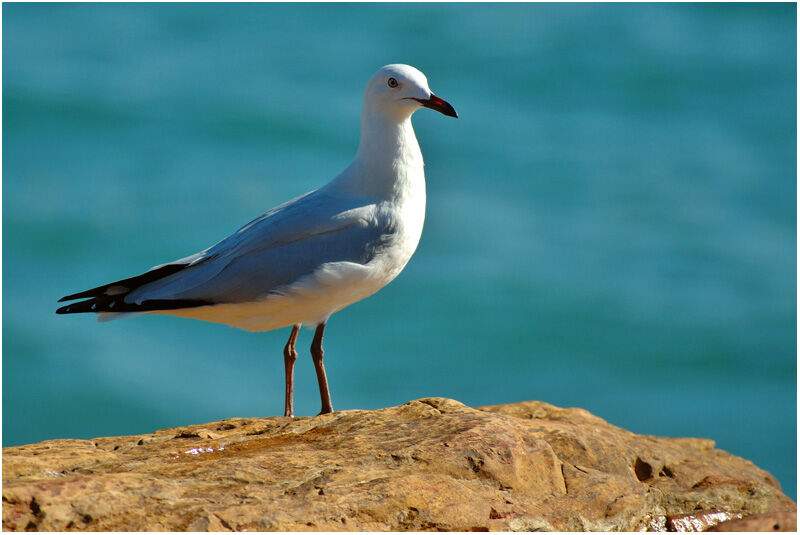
[{"x": 431, "y": 464}]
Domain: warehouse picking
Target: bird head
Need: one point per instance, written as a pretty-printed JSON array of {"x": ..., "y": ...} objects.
[{"x": 397, "y": 91}]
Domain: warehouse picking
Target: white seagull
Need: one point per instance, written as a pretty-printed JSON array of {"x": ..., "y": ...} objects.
[{"x": 304, "y": 260}]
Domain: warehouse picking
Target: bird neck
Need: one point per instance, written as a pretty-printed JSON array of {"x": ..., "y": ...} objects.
[{"x": 388, "y": 163}]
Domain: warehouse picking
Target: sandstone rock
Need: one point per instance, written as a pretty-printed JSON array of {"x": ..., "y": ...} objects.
[
  {"x": 779, "y": 521},
  {"x": 431, "y": 464}
]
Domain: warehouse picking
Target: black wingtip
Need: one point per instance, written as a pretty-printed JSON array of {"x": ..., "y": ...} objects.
[
  {"x": 106, "y": 303},
  {"x": 90, "y": 305},
  {"x": 129, "y": 283},
  {"x": 100, "y": 300},
  {"x": 94, "y": 292}
]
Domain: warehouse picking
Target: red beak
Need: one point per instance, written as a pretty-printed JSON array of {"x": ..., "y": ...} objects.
[{"x": 438, "y": 104}]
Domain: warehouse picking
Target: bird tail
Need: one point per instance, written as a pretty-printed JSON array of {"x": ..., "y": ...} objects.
[{"x": 111, "y": 316}]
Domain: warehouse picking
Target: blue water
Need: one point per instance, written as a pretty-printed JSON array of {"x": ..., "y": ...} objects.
[{"x": 611, "y": 220}]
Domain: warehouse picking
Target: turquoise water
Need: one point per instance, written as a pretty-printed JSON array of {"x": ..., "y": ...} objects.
[{"x": 611, "y": 221}]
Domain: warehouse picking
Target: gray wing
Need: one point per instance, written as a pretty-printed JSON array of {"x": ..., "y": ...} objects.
[{"x": 273, "y": 251}]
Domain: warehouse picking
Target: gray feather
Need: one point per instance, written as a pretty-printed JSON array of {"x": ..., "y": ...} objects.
[{"x": 275, "y": 250}]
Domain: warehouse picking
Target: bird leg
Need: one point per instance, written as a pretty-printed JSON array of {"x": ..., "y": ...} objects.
[
  {"x": 316, "y": 354},
  {"x": 289, "y": 356}
]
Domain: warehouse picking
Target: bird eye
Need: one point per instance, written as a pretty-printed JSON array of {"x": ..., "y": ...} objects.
[{"x": 392, "y": 83}]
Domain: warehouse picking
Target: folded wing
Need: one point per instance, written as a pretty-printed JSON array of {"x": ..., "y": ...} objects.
[{"x": 269, "y": 253}]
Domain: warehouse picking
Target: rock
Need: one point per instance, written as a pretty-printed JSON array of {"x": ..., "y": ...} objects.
[
  {"x": 430, "y": 464},
  {"x": 778, "y": 521}
]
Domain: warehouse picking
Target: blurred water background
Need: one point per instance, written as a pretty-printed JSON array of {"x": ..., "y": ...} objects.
[{"x": 611, "y": 221}]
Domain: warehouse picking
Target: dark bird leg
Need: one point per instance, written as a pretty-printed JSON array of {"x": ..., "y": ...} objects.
[
  {"x": 289, "y": 356},
  {"x": 316, "y": 354}
]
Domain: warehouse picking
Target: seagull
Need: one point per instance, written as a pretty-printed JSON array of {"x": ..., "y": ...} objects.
[{"x": 302, "y": 261}]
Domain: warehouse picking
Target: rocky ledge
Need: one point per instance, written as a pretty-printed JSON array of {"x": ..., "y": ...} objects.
[{"x": 431, "y": 464}]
